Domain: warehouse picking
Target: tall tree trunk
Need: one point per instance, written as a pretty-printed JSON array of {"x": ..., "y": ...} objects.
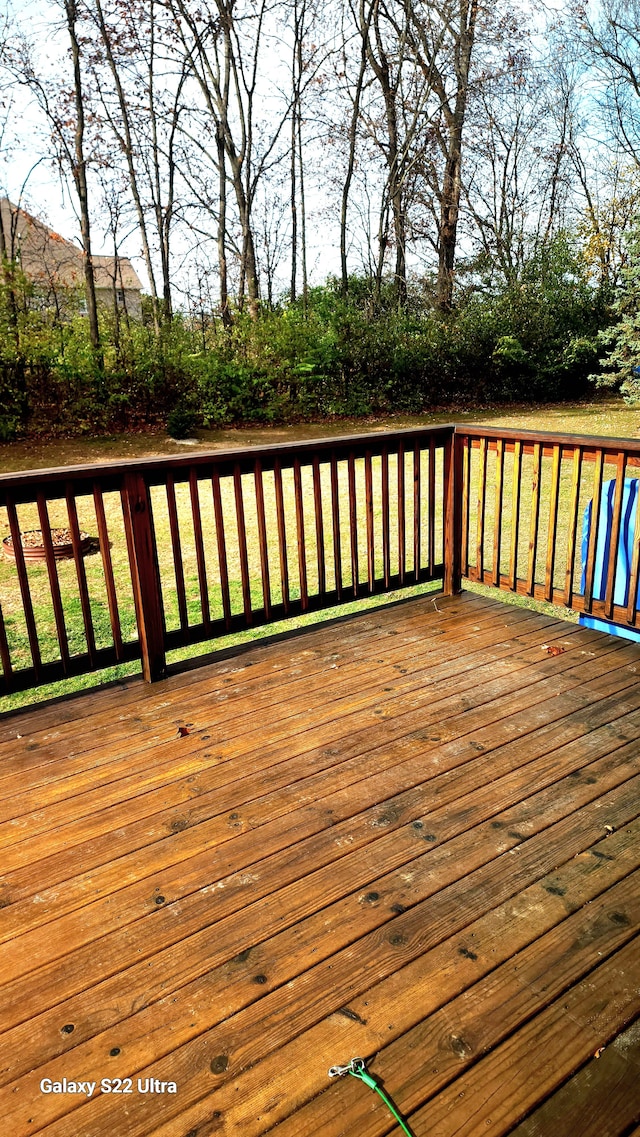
[
  {"x": 397, "y": 209},
  {"x": 382, "y": 69},
  {"x": 251, "y": 268},
  {"x": 163, "y": 216},
  {"x": 303, "y": 220},
  {"x": 294, "y": 203},
  {"x": 297, "y": 68},
  {"x": 80, "y": 179},
  {"x": 7, "y": 277},
  {"x": 224, "y": 73},
  {"x": 452, "y": 176},
  {"x": 365, "y": 25},
  {"x": 222, "y": 230},
  {"x": 383, "y": 241},
  {"x": 126, "y": 142},
  {"x": 449, "y": 211}
]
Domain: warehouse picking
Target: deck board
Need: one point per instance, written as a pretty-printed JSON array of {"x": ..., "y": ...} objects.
[{"x": 412, "y": 835}]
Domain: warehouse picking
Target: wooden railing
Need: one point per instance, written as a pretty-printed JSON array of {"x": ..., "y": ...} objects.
[
  {"x": 548, "y": 515},
  {"x": 190, "y": 549}
]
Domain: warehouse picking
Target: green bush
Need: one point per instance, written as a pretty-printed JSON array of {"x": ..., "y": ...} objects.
[
  {"x": 534, "y": 337},
  {"x": 181, "y": 421}
]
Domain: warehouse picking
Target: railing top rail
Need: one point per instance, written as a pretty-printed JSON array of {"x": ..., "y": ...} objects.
[
  {"x": 112, "y": 472},
  {"x": 26, "y": 482},
  {"x": 553, "y": 438}
]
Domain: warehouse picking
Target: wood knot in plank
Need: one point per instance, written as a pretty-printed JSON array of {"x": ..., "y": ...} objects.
[{"x": 460, "y": 1047}]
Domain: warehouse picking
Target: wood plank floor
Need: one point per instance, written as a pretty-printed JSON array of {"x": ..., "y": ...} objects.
[{"x": 412, "y": 836}]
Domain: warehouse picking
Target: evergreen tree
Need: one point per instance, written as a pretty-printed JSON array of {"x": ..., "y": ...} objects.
[{"x": 621, "y": 365}]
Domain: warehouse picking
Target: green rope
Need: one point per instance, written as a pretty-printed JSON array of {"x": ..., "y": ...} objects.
[{"x": 356, "y": 1068}]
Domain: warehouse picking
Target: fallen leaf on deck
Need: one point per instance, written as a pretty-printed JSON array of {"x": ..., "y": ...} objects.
[
  {"x": 553, "y": 650},
  {"x": 184, "y": 730}
]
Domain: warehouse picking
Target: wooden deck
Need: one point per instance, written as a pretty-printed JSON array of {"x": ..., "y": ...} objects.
[{"x": 411, "y": 836}]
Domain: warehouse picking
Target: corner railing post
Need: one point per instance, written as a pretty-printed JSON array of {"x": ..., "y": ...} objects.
[
  {"x": 144, "y": 575},
  {"x": 453, "y": 473}
]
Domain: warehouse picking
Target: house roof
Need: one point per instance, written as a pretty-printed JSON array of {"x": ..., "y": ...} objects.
[
  {"x": 47, "y": 258},
  {"x": 103, "y": 270}
]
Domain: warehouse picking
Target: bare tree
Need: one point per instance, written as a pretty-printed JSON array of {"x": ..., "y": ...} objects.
[
  {"x": 443, "y": 35},
  {"x": 352, "y": 136},
  {"x": 79, "y": 171},
  {"x": 141, "y": 98},
  {"x": 6, "y": 235},
  {"x": 224, "y": 53},
  {"x": 65, "y": 111},
  {"x": 518, "y": 163},
  {"x": 610, "y": 42},
  {"x": 123, "y": 130},
  {"x": 386, "y": 57}
]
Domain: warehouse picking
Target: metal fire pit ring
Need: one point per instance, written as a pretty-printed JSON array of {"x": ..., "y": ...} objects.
[{"x": 34, "y": 550}]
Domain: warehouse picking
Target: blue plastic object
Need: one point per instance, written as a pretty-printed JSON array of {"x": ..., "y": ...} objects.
[{"x": 603, "y": 545}]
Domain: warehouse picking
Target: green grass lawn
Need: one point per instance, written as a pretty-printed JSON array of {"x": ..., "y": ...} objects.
[{"x": 607, "y": 417}]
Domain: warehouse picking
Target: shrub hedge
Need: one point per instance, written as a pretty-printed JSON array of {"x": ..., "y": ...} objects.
[{"x": 532, "y": 338}]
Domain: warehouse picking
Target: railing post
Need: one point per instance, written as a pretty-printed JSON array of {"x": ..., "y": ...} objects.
[
  {"x": 144, "y": 575},
  {"x": 452, "y": 514}
]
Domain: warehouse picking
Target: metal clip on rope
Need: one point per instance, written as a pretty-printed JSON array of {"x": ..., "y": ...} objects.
[{"x": 357, "y": 1068}]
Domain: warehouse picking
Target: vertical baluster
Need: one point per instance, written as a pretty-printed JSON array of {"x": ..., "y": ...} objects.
[
  {"x": 576, "y": 475},
  {"x": 535, "y": 517},
  {"x": 176, "y": 548},
  {"x": 465, "y": 443},
  {"x": 23, "y": 581},
  {"x": 386, "y": 551},
  {"x": 302, "y": 556},
  {"x": 497, "y": 519},
  {"x": 54, "y": 583},
  {"x": 242, "y": 545},
  {"x": 416, "y": 511},
  {"x": 317, "y": 504},
  {"x": 482, "y": 497},
  {"x": 368, "y": 483},
  {"x": 515, "y": 515},
  {"x": 222, "y": 549},
  {"x": 262, "y": 538},
  {"x": 199, "y": 543},
  {"x": 632, "y": 600},
  {"x": 615, "y": 534},
  {"x": 282, "y": 537},
  {"x": 452, "y": 504},
  {"x": 402, "y": 536},
  {"x": 81, "y": 575},
  {"x": 353, "y": 523},
  {"x": 593, "y": 530},
  {"x": 431, "y": 529},
  {"x": 335, "y": 521},
  {"x": 5, "y": 655},
  {"x": 107, "y": 568},
  {"x": 553, "y": 524}
]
